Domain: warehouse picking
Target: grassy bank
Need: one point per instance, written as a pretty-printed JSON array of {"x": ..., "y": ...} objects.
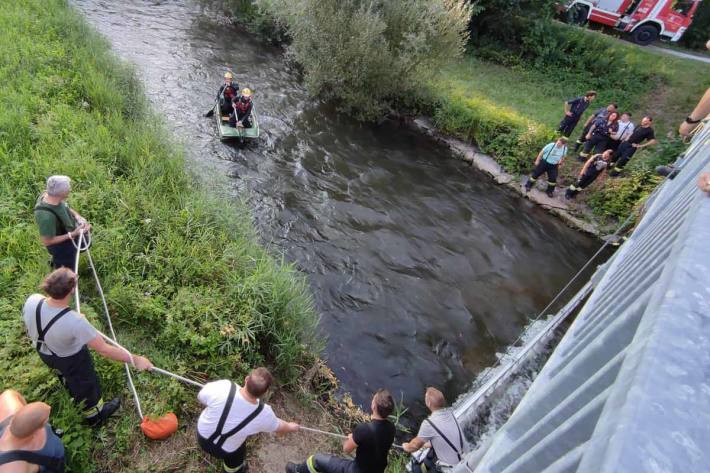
[
  {"x": 510, "y": 102},
  {"x": 187, "y": 284}
]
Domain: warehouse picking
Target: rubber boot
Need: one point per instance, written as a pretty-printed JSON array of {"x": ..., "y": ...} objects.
[
  {"x": 529, "y": 184},
  {"x": 550, "y": 191},
  {"x": 294, "y": 468},
  {"x": 107, "y": 410},
  {"x": 571, "y": 192}
]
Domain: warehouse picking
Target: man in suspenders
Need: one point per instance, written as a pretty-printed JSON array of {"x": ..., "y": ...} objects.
[
  {"x": 62, "y": 337},
  {"x": 59, "y": 225},
  {"x": 370, "y": 441},
  {"x": 440, "y": 432},
  {"x": 548, "y": 161},
  {"x": 232, "y": 413}
]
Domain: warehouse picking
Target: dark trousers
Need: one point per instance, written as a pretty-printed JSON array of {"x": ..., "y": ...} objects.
[
  {"x": 226, "y": 108},
  {"x": 567, "y": 125},
  {"x": 597, "y": 142},
  {"x": 327, "y": 464},
  {"x": 77, "y": 374},
  {"x": 233, "y": 461},
  {"x": 542, "y": 168},
  {"x": 583, "y": 137},
  {"x": 622, "y": 155},
  {"x": 63, "y": 255},
  {"x": 428, "y": 465},
  {"x": 245, "y": 121},
  {"x": 585, "y": 180}
]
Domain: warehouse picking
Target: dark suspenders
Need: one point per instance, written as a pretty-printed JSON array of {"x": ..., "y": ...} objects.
[
  {"x": 41, "y": 332},
  {"x": 61, "y": 228},
  {"x": 448, "y": 442},
  {"x": 218, "y": 434},
  {"x": 55, "y": 465}
]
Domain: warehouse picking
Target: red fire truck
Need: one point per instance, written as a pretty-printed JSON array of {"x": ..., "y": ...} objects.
[{"x": 644, "y": 20}]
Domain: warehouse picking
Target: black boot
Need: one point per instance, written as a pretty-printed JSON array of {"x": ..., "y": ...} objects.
[
  {"x": 550, "y": 191},
  {"x": 529, "y": 185},
  {"x": 294, "y": 468},
  {"x": 107, "y": 410}
]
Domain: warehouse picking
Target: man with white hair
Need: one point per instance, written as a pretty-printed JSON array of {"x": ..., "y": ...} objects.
[{"x": 59, "y": 225}]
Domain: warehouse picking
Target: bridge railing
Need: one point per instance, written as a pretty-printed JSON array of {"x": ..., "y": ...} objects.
[{"x": 627, "y": 388}]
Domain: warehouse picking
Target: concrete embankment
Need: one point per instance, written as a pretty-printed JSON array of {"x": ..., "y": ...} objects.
[{"x": 486, "y": 163}]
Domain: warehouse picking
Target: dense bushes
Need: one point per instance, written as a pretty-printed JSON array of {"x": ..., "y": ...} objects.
[
  {"x": 508, "y": 136},
  {"x": 367, "y": 56},
  {"x": 186, "y": 282},
  {"x": 699, "y": 32}
]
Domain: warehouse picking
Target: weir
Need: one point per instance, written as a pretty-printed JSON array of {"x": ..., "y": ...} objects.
[{"x": 626, "y": 389}]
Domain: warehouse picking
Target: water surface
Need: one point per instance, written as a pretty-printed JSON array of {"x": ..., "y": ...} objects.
[{"x": 421, "y": 268}]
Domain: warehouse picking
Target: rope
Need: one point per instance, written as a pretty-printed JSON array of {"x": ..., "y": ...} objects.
[
  {"x": 333, "y": 434},
  {"x": 79, "y": 247}
]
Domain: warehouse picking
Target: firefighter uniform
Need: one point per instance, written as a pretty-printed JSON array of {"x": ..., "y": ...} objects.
[
  {"x": 627, "y": 150},
  {"x": 600, "y": 113},
  {"x": 577, "y": 107},
  {"x": 549, "y": 163},
  {"x": 601, "y": 134},
  {"x": 595, "y": 168},
  {"x": 60, "y": 337}
]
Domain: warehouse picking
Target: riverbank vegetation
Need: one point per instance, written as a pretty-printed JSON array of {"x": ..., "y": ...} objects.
[
  {"x": 187, "y": 283},
  {"x": 505, "y": 93}
]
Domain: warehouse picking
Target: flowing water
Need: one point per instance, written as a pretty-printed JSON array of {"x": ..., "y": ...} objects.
[{"x": 421, "y": 268}]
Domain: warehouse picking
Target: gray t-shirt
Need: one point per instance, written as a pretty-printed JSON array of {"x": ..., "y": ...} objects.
[
  {"x": 66, "y": 337},
  {"x": 446, "y": 423}
]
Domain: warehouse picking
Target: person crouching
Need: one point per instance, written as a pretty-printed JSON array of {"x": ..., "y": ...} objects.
[
  {"x": 233, "y": 413},
  {"x": 372, "y": 441},
  {"x": 594, "y": 166}
]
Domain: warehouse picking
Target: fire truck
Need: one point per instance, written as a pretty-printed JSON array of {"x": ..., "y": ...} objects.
[{"x": 644, "y": 20}]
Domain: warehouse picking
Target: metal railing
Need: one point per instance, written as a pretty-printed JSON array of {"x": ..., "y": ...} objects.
[{"x": 627, "y": 388}]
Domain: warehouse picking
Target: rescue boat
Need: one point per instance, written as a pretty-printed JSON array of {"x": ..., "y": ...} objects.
[{"x": 227, "y": 132}]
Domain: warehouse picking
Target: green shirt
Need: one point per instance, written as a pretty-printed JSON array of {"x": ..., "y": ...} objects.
[{"x": 47, "y": 221}]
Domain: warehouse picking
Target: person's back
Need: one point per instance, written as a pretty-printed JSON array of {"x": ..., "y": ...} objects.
[
  {"x": 214, "y": 397},
  {"x": 69, "y": 333},
  {"x": 442, "y": 430},
  {"x": 373, "y": 440}
]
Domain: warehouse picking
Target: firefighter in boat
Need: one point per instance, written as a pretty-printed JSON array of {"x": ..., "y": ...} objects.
[
  {"x": 243, "y": 105},
  {"x": 227, "y": 93}
]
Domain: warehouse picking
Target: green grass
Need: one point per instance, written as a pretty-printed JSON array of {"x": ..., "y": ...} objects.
[
  {"x": 510, "y": 103},
  {"x": 187, "y": 284}
]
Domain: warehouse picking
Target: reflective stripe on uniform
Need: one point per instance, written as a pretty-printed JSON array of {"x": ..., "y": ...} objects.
[
  {"x": 311, "y": 465},
  {"x": 231, "y": 470},
  {"x": 90, "y": 412}
]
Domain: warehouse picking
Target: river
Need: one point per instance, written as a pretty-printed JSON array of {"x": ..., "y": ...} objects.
[{"x": 421, "y": 268}]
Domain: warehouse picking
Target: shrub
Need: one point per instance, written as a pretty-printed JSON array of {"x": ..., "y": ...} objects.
[
  {"x": 512, "y": 139},
  {"x": 619, "y": 196},
  {"x": 368, "y": 55}
]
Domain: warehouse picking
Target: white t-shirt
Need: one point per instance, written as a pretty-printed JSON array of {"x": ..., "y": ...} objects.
[
  {"x": 625, "y": 131},
  {"x": 214, "y": 397}
]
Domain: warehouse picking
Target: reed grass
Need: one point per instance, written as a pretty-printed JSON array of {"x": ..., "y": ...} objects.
[{"x": 187, "y": 282}]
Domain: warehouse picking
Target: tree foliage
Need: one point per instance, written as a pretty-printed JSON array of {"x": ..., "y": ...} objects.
[
  {"x": 367, "y": 55},
  {"x": 699, "y": 32}
]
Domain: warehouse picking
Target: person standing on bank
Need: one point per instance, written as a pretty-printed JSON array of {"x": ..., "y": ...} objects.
[
  {"x": 232, "y": 413},
  {"x": 574, "y": 109},
  {"x": 599, "y": 135},
  {"x": 628, "y": 148},
  {"x": 59, "y": 225},
  {"x": 62, "y": 337},
  {"x": 626, "y": 128},
  {"x": 27, "y": 441},
  {"x": 600, "y": 113},
  {"x": 589, "y": 172},
  {"x": 440, "y": 432},
  {"x": 548, "y": 161},
  {"x": 371, "y": 442}
]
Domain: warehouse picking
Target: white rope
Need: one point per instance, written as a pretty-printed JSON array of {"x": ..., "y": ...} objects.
[
  {"x": 333, "y": 434},
  {"x": 78, "y": 248},
  {"x": 178, "y": 377}
]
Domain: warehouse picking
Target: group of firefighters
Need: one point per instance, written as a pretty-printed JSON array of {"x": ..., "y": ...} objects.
[
  {"x": 608, "y": 141},
  {"x": 64, "y": 340}
]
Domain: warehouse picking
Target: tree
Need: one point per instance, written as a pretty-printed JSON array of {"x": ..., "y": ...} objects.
[{"x": 368, "y": 56}]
